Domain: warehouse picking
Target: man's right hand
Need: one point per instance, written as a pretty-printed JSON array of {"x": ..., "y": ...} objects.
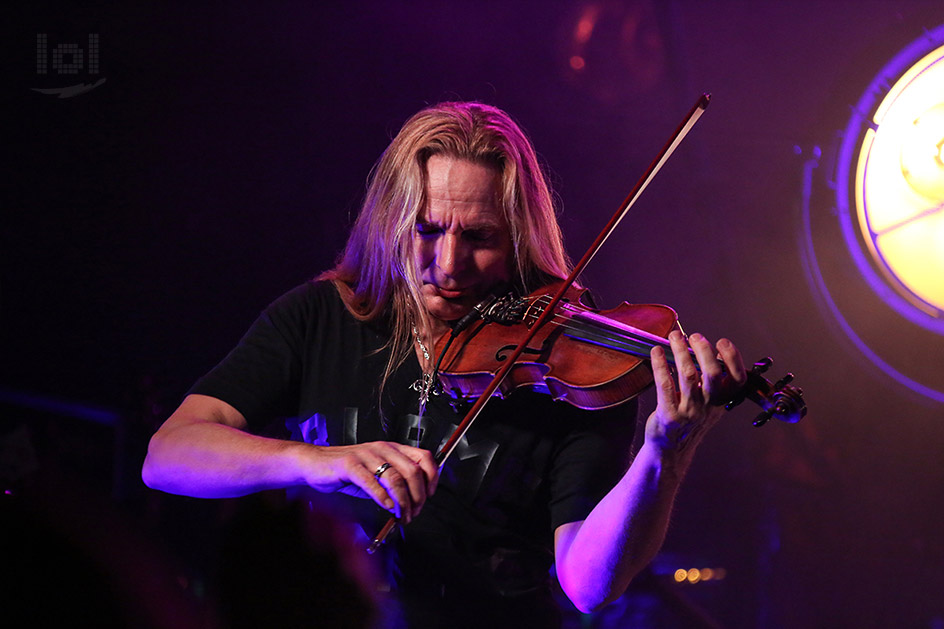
[
  {"x": 203, "y": 450},
  {"x": 402, "y": 488}
]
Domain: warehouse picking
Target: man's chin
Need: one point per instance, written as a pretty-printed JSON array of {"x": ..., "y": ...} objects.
[{"x": 446, "y": 309}]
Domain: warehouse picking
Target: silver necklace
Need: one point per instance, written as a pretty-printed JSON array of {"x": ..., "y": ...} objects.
[{"x": 426, "y": 385}]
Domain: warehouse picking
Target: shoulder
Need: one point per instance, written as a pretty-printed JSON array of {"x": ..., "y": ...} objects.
[
  {"x": 313, "y": 298},
  {"x": 296, "y": 314},
  {"x": 311, "y": 293},
  {"x": 317, "y": 307}
]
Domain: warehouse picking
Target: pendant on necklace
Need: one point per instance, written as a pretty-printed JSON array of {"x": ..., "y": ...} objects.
[{"x": 426, "y": 385}]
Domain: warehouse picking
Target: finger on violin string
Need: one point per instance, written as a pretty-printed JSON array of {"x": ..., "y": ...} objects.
[
  {"x": 689, "y": 380},
  {"x": 733, "y": 362},
  {"x": 664, "y": 382},
  {"x": 711, "y": 368}
]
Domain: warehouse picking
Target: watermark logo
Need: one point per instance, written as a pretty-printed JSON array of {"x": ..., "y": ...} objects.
[{"x": 70, "y": 62}]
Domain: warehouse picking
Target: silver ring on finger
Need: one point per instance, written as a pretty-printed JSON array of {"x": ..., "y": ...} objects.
[{"x": 380, "y": 470}]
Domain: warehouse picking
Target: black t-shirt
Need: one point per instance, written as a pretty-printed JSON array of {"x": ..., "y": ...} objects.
[{"x": 527, "y": 465}]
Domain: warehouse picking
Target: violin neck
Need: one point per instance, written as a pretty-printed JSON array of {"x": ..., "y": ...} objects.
[{"x": 591, "y": 327}]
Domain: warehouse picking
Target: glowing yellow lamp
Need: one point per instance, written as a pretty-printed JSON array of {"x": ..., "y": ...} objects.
[{"x": 900, "y": 184}]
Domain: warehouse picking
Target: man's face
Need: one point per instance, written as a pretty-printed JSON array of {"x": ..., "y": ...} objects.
[{"x": 462, "y": 242}]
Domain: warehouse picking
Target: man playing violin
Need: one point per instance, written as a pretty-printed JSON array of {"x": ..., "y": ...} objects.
[{"x": 456, "y": 206}]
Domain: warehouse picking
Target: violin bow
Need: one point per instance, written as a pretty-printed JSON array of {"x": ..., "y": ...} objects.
[{"x": 447, "y": 448}]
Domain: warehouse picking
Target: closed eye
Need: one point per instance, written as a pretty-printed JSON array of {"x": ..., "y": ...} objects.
[
  {"x": 478, "y": 235},
  {"x": 427, "y": 229}
]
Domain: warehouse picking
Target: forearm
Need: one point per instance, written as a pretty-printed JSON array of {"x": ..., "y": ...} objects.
[
  {"x": 202, "y": 450},
  {"x": 212, "y": 460},
  {"x": 597, "y": 558}
]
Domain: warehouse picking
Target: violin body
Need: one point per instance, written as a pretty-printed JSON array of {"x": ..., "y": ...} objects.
[{"x": 564, "y": 359}]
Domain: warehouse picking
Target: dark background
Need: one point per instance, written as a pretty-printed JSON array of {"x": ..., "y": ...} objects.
[{"x": 146, "y": 222}]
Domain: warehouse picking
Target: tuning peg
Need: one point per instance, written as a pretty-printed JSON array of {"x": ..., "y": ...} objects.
[
  {"x": 762, "y": 418},
  {"x": 762, "y": 365},
  {"x": 787, "y": 379}
]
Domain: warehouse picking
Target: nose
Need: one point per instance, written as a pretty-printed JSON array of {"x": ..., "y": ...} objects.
[{"x": 450, "y": 255}]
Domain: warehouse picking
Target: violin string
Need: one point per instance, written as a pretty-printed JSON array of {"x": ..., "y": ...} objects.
[
  {"x": 612, "y": 337},
  {"x": 579, "y": 326},
  {"x": 617, "y": 340},
  {"x": 620, "y": 339},
  {"x": 615, "y": 335}
]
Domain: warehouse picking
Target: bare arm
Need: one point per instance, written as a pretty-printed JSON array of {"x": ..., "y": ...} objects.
[
  {"x": 202, "y": 450},
  {"x": 598, "y": 557}
]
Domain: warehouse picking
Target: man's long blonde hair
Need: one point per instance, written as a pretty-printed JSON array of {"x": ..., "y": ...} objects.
[{"x": 376, "y": 275}]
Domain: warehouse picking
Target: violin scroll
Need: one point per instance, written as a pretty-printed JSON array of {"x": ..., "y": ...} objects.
[{"x": 778, "y": 400}]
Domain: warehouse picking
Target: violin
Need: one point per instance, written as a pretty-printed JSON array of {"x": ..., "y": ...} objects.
[{"x": 588, "y": 358}]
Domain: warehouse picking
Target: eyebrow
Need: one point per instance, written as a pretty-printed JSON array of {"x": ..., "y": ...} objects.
[{"x": 483, "y": 224}]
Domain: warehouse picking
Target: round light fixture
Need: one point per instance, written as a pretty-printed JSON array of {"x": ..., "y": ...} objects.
[
  {"x": 895, "y": 139},
  {"x": 874, "y": 246}
]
